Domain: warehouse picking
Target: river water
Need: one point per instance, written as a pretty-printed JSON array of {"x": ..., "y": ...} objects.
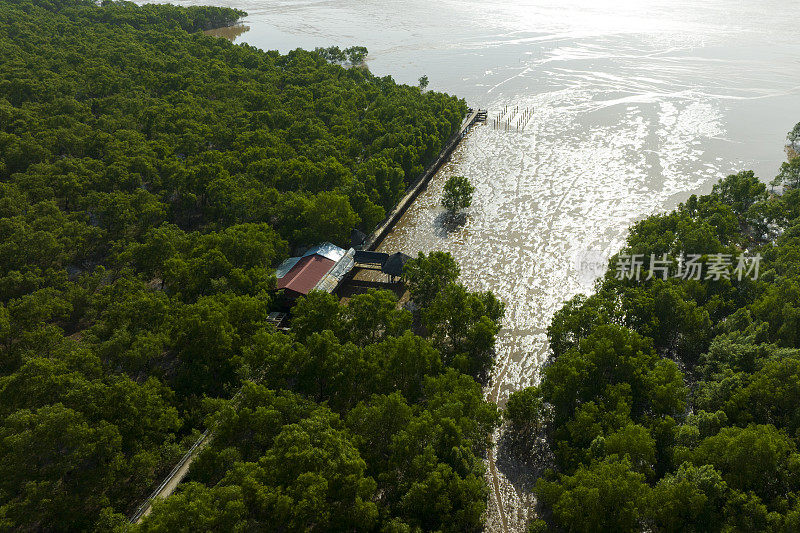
[{"x": 633, "y": 105}]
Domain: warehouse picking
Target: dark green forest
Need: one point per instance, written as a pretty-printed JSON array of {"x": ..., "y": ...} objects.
[
  {"x": 674, "y": 405},
  {"x": 151, "y": 177}
]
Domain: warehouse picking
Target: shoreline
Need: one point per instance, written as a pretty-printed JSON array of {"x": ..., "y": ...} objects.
[{"x": 231, "y": 32}]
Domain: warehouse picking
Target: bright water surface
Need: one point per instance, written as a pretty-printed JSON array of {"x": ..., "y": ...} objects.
[{"x": 637, "y": 104}]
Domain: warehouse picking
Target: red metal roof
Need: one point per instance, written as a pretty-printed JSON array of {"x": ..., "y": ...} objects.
[{"x": 306, "y": 274}]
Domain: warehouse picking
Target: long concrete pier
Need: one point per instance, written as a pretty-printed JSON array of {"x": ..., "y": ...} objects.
[{"x": 383, "y": 229}]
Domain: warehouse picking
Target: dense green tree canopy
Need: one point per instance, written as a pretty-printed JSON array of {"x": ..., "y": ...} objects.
[
  {"x": 427, "y": 275},
  {"x": 151, "y": 178}
]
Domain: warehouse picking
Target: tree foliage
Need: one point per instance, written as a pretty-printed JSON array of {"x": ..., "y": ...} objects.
[
  {"x": 151, "y": 177},
  {"x": 427, "y": 275},
  {"x": 457, "y": 194}
]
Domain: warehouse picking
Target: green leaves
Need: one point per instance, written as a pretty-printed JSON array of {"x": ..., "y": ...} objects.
[
  {"x": 759, "y": 458},
  {"x": 457, "y": 194},
  {"x": 426, "y": 276},
  {"x": 281, "y": 462},
  {"x": 603, "y": 496},
  {"x": 419, "y": 429},
  {"x": 328, "y": 216},
  {"x": 692, "y": 499},
  {"x": 740, "y": 191},
  {"x": 525, "y": 411},
  {"x": 463, "y": 325},
  {"x": 58, "y": 468}
]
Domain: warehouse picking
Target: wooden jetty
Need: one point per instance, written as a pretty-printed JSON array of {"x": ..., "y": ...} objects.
[{"x": 514, "y": 118}]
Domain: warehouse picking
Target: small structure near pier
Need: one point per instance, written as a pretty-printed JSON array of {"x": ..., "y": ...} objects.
[
  {"x": 357, "y": 239},
  {"x": 369, "y": 260},
  {"x": 322, "y": 267},
  {"x": 391, "y": 265}
]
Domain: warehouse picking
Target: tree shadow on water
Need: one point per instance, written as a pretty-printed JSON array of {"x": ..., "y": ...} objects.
[
  {"x": 447, "y": 223},
  {"x": 523, "y": 458}
]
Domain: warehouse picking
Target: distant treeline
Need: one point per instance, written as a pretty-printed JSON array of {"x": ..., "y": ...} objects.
[
  {"x": 147, "y": 16},
  {"x": 674, "y": 404},
  {"x": 150, "y": 179}
]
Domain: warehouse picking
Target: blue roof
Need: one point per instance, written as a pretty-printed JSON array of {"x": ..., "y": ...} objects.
[
  {"x": 327, "y": 250},
  {"x": 333, "y": 278},
  {"x": 286, "y": 266}
]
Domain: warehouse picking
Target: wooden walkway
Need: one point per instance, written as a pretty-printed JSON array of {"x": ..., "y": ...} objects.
[{"x": 176, "y": 475}]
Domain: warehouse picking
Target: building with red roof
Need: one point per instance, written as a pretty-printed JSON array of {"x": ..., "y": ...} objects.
[
  {"x": 320, "y": 268},
  {"x": 305, "y": 274}
]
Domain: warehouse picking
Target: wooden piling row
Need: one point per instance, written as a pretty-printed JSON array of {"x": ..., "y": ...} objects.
[{"x": 513, "y": 120}]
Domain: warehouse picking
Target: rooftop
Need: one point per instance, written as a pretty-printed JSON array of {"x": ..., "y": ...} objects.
[
  {"x": 327, "y": 250},
  {"x": 395, "y": 263},
  {"x": 306, "y": 273}
]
